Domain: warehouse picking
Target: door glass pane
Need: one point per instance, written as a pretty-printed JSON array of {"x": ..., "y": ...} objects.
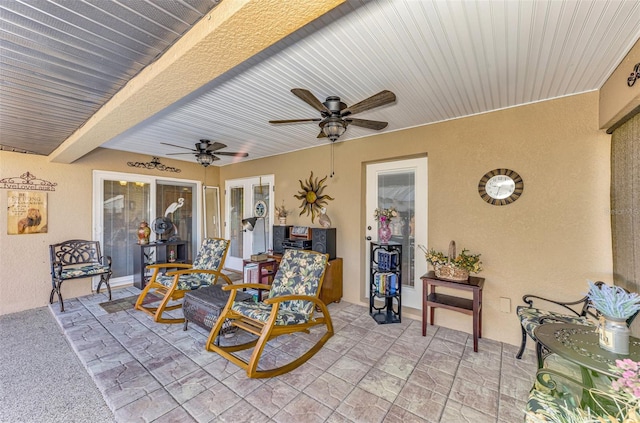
[
  {"x": 236, "y": 205},
  {"x": 262, "y": 231},
  {"x": 125, "y": 205},
  {"x": 176, "y": 202},
  {"x": 397, "y": 189}
]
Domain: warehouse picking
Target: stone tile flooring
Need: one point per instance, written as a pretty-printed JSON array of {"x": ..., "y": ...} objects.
[{"x": 150, "y": 372}]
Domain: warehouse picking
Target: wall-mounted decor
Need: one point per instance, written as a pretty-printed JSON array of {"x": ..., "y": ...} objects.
[
  {"x": 500, "y": 187},
  {"x": 26, "y": 212},
  {"x": 311, "y": 195},
  {"x": 635, "y": 75},
  {"x": 154, "y": 164},
  {"x": 27, "y": 181}
]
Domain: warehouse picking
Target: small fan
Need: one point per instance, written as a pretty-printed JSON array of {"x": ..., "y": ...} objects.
[
  {"x": 163, "y": 227},
  {"x": 206, "y": 152}
]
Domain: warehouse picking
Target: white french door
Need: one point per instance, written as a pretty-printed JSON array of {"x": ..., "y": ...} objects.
[
  {"x": 122, "y": 200},
  {"x": 400, "y": 184},
  {"x": 246, "y": 198}
]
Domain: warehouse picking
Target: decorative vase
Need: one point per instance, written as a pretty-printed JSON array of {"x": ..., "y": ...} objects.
[
  {"x": 384, "y": 232},
  {"x": 283, "y": 220},
  {"x": 143, "y": 233},
  {"x": 613, "y": 335}
]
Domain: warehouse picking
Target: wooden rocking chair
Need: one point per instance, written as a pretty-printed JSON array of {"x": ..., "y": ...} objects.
[
  {"x": 289, "y": 308},
  {"x": 206, "y": 270}
]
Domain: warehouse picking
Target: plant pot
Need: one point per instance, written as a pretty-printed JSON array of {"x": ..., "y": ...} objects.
[
  {"x": 283, "y": 220},
  {"x": 613, "y": 335}
]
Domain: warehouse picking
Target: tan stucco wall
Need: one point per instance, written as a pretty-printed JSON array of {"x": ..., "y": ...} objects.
[
  {"x": 617, "y": 99},
  {"x": 24, "y": 259},
  {"x": 550, "y": 241}
]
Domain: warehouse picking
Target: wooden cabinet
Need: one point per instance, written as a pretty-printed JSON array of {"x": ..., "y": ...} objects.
[
  {"x": 156, "y": 252},
  {"x": 331, "y": 291}
]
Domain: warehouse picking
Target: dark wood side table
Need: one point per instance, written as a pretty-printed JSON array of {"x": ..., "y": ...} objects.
[
  {"x": 266, "y": 270},
  {"x": 472, "y": 307}
]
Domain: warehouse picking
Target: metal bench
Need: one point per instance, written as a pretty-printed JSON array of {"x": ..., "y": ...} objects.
[{"x": 76, "y": 259}]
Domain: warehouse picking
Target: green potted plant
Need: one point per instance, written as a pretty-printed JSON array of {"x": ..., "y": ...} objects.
[
  {"x": 616, "y": 305},
  {"x": 454, "y": 267}
]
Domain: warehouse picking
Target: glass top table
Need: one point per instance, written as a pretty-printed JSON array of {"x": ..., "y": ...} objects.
[{"x": 579, "y": 344}]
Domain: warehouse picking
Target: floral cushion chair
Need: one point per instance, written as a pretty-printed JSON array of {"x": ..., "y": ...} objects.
[
  {"x": 289, "y": 308},
  {"x": 206, "y": 270}
]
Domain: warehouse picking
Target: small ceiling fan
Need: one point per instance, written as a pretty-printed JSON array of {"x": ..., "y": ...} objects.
[
  {"x": 336, "y": 116},
  {"x": 206, "y": 152}
]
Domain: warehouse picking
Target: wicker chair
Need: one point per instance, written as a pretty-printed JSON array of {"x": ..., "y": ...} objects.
[
  {"x": 206, "y": 270},
  {"x": 289, "y": 308}
]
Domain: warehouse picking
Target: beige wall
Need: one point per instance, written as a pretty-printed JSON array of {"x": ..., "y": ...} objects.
[
  {"x": 550, "y": 241},
  {"x": 24, "y": 259}
]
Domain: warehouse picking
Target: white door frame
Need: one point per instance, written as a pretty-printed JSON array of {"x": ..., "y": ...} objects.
[{"x": 411, "y": 296}]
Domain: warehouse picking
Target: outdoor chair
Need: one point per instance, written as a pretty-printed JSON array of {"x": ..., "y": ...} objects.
[
  {"x": 579, "y": 312},
  {"x": 289, "y": 308},
  {"x": 173, "y": 285}
]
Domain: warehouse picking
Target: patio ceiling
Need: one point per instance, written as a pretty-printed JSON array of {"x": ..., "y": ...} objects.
[{"x": 72, "y": 73}]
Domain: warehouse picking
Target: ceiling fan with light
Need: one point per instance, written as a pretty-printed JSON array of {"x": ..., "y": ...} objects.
[
  {"x": 206, "y": 152},
  {"x": 336, "y": 116}
]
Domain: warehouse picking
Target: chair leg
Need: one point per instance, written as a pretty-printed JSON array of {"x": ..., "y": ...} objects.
[
  {"x": 156, "y": 312},
  {"x": 56, "y": 290},
  {"x": 104, "y": 279},
  {"x": 524, "y": 343}
]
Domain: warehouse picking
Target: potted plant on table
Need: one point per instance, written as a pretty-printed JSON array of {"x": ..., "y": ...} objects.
[
  {"x": 615, "y": 305},
  {"x": 454, "y": 267},
  {"x": 282, "y": 213}
]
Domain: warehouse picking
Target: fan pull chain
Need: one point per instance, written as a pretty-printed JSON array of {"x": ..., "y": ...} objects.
[{"x": 332, "y": 160}]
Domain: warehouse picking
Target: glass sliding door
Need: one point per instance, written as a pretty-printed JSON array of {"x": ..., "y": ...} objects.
[
  {"x": 125, "y": 205},
  {"x": 123, "y": 200}
]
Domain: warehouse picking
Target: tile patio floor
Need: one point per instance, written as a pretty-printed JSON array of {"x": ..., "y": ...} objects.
[{"x": 149, "y": 372}]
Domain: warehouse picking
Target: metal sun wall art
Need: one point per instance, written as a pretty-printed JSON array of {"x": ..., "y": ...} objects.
[{"x": 311, "y": 195}]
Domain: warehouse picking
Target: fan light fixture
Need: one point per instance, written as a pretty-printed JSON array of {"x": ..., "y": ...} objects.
[
  {"x": 205, "y": 159},
  {"x": 333, "y": 128}
]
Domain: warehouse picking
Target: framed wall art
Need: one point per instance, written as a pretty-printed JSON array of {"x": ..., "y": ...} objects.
[{"x": 26, "y": 212}]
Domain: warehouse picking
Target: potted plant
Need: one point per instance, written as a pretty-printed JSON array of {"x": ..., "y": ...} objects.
[
  {"x": 454, "y": 267},
  {"x": 616, "y": 305},
  {"x": 282, "y": 213}
]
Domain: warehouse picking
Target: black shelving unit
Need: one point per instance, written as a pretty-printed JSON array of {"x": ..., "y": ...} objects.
[
  {"x": 385, "y": 283},
  {"x": 156, "y": 252}
]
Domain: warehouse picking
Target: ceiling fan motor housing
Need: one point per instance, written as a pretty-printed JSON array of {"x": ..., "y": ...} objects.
[{"x": 334, "y": 104}]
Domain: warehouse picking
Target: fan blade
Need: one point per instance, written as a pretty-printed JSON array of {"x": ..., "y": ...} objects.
[
  {"x": 223, "y": 153},
  {"x": 310, "y": 99},
  {"x": 179, "y": 146},
  {"x": 377, "y": 100},
  {"x": 365, "y": 123},
  {"x": 175, "y": 154},
  {"x": 321, "y": 135},
  {"x": 215, "y": 146},
  {"x": 295, "y": 120}
]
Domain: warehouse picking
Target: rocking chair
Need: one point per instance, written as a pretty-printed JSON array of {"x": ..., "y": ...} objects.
[
  {"x": 205, "y": 271},
  {"x": 289, "y": 308}
]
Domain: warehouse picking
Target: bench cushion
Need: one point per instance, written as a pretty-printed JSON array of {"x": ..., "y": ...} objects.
[
  {"x": 531, "y": 318},
  {"x": 84, "y": 271}
]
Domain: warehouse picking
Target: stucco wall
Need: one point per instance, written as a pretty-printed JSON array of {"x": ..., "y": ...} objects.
[
  {"x": 24, "y": 259},
  {"x": 550, "y": 241}
]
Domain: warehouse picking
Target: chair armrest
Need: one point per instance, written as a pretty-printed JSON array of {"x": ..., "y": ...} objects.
[
  {"x": 168, "y": 265},
  {"x": 56, "y": 267},
  {"x": 583, "y": 302},
  {"x": 247, "y": 285},
  {"x": 105, "y": 261}
]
